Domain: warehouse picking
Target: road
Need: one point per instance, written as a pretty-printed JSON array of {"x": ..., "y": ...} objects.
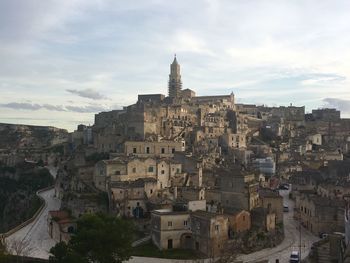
[
  {"x": 290, "y": 242},
  {"x": 36, "y": 234}
]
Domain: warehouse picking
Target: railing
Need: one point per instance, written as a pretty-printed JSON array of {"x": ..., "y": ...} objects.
[{"x": 141, "y": 241}]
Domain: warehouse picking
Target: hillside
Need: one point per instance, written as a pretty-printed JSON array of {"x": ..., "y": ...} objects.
[
  {"x": 18, "y": 185},
  {"x": 28, "y": 136}
]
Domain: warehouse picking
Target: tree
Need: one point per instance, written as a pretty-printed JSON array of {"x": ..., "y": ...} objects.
[
  {"x": 3, "y": 253},
  {"x": 18, "y": 248},
  {"x": 99, "y": 238},
  {"x": 63, "y": 253}
]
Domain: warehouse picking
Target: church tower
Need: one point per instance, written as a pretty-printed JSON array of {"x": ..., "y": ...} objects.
[{"x": 175, "y": 83}]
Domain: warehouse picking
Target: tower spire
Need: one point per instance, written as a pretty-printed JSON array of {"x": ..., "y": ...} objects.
[{"x": 175, "y": 83}]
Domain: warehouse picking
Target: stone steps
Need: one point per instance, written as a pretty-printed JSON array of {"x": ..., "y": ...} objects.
[{"x": 323, "y": 253}]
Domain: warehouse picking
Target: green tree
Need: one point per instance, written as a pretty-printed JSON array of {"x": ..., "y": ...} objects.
[{"x": 99, "y": 238}]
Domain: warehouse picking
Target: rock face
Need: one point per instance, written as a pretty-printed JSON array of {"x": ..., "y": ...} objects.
[{"x": 14, "y": 136}]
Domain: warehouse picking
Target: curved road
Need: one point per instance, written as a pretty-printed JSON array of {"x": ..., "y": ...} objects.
[
  {"x": 36, "y": 233},
  {"x": 290, "y": 242}
]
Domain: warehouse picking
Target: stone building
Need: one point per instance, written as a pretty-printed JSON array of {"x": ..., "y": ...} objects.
[
  {"x": 191, "y": 193},
  {"x": 320, "y": 214},
  {"x": 209, "y": 232},
  {"x": 263, "y": 219},
  {"x": 239, "y": 222},
  {"x": 239, "y": 189},
  {"x": 272, "y": 201},
  {"x": 128, "y": 198},
  {"x": 61, "y": 225},
  {"x": 233, "y": 141},
  {"x": 153, "y": 149},
  {"x": 166, "y": 171},
  {"x": 171, "y": 229},
  {"x": 326, "y": 114}
]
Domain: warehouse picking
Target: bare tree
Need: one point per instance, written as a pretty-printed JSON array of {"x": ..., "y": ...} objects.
[{"x": 19, "y": 248}]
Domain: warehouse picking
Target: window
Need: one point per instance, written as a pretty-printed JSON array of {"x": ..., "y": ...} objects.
[
  {"x": 185, "y": 223},
  {"x": 134, "y": 170},
  {"x": 70, "y": 229},
  {"x": 117, "y": 172},
  {"x": 170, "y": 223},
  {"x": 173, "y": 150},
  {"x": 134, "y": 150},
  {"x": 162, "y": 172},
  {"x": 151, "y": 191},
  {"x": 150, "y": 169},
  {"x": 147, "y": 149},
  {"x": 163, "y": 150},
  {"x": 178, "y": 170}
]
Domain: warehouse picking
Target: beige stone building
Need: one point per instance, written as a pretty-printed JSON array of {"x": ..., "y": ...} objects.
[
  {"x": 320, "y": 214},
  {"x": 272, "y": 201},
  {"x": 153, "y": 149},
  {"x": 209, "y": 232},
  {"x": 239, "y": 189},
  {"x": 239, "y": 221},
  {"x": 171, "y": 229},
  {"x": 263, "y": 218},
  {"x": 233, "y": 141},
  {"x": 165, "y": 170},
  {"x": 61, "y": 225},
  {"x": 128, "y": 198}
]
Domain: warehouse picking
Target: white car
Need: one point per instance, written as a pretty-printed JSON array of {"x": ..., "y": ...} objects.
[{"x": 294, "y": 257}]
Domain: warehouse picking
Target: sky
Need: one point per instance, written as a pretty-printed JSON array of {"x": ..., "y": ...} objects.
[{"x": 63, "y": 61}]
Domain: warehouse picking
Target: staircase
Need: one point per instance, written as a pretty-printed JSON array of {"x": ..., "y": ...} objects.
[{"x": 323, "y": 253}]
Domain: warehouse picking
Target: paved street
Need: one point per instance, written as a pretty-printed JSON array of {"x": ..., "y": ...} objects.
[
  {"x": 291, "y": 241},
  {"x": 36, "y": 233}
]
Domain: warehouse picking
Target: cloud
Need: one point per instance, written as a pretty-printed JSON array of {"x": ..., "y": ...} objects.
[
  {"x": 188, "y": 42},
  {"x": 87, "y": 93},
  {"x": 91, "y": 108},
  {"x": 32, "y": 106},
  {"x": 322, "y": 79},
  {"x": 21, "y": 106},
  {"x": 340, "y": 104},
  {"x": 86, "y": 109}
]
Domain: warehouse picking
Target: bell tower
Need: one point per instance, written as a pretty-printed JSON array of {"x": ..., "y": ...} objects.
[{"x": 175, "y": 83}]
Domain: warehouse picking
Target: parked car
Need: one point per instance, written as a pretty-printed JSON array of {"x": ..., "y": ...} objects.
[
  {"x": 294, "y": 257},
  {"x": 285, "y": 208},
  {"x": 284, "y": 187}
]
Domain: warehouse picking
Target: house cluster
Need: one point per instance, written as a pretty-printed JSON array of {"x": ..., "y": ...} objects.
[{"x": 201, "y": 172}]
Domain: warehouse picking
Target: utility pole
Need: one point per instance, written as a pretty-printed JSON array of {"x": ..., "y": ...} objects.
[{"x": 300, "y": 236}]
